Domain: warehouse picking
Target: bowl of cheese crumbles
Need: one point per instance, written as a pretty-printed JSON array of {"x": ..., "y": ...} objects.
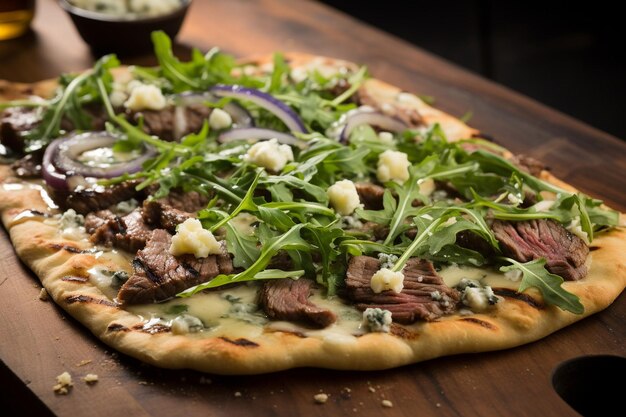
[{"x": 124, "y": 26}]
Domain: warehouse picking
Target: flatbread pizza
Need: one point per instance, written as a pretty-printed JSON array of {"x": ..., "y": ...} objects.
[{"x": 243, "y": 217}]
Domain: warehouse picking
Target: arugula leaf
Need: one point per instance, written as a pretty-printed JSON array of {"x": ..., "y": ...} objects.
[
  {"x": 407, "y": 193},
  {"x": 323, "y": 238},
  {"x": 244, "y": 248},
  {"x": 176, "y": 72},
  {"x": 384, "y": 216},
  {"x": 279, "y": 274},
  {"x": 550, "y": 285},
  {"x": 287, "y": 241}
]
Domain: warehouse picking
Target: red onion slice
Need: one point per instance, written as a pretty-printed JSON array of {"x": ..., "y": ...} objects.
[
  {"x": 264, "y": 100},
  {"x": 255, "y": 134},
  {"x": 372, "y": 118},
  {"x": 60, "y": 159}
]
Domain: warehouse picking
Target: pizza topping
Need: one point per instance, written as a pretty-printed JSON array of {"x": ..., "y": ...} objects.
[
  {"x": 128, "y": 232},
  {"x": 160, "y": 275},
  {"x": 186, "y": 323},
  {"x": 366, "y": 115},
  {"x": 90, "y": 379},
  {"x": 413, "y": 302},
  {"x": 89, "y": 200},
  {"x": 145, "y": 97},
  {"x": 377, "y": 320},
  {"x": 476, "y": 296},
  {"x": 269, "y": 154},
  {"x": 385, "y": 280},
  {"x": 16, "y": 121},
  {"x": 219, "y": 119},
  {"x": 343, "y": 196},
  {"x": 544, "y": 238},
  {"x": 371, "y": 195},
  {"x": 286, "y": 299},
  {"x": 28, "y": 166},
  {"x": 191, "y": 238},
  {"x": 393, "y": 166}
]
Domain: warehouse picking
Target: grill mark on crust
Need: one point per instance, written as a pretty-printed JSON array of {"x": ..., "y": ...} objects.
[
  {"x": 506, "y": 292},
  {"x": 153, "y": 329},
  {"x": 116, "y": 327},
  {"x": 72, "y": 278},
  {"x": 69, "y": 248},
  {"x": 593, "y": 248},
  {"x": 240, "y": 342},
  {"x": 88, "y": 299},
  {"x": 403, "y": 332},
  {"x": 480, "y": 322}
]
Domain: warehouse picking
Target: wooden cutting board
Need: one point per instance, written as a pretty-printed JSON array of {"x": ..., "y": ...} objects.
[{"x": 38, "y": 341}]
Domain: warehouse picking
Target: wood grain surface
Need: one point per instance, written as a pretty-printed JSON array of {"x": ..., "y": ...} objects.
[{"x": 38, "y": 341}]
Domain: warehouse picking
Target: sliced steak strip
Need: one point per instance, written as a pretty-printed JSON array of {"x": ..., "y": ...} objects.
[
  {"x": 424, "y": 297},
  {"x": 172, "y": 123},
  {"x": 169, "y": 212},
  {"x": 565, "y": 253},
  {"x": 528, "y": 164},
  {"x": 95, "y": 220},
  {"x": 371, "y": 195},
  {"x": 99, "y": 198},
  {"x": 286, "y": 299},
  {"x": 159, "y": 275},
  {"x": 128, "y": 232},
  {"x": 13, "y": 123},
  {"x": 29, "y": 166}
]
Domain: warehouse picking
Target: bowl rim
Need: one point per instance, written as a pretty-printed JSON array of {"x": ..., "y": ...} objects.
[{"x": 103, "y": 17}]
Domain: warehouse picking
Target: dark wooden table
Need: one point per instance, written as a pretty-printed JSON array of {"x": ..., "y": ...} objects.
[{"x": 38, "y": 341}]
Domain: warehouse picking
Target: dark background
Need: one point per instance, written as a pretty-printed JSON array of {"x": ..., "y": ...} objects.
[{"x": 568, "y": 56}]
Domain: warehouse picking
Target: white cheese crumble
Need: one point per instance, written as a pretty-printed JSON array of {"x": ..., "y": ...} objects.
[
  {"x": 192, "y": 238},
  {"x": 186, "y": 323},
  {"x": 475, "y": 296},
  {"x": 270, "y": 155},
  {"x": 386, "y": 404},
  {"x": 145, "y": 97},
  {"x": 64, "y": 382},
  {"x": 90, "y": 378},
  {"x": 576, "y": 228},
  {"x": 219, "y": 119},
  {"x": 320, "y": 398},
  {"x": 385, "y": 279},
  {"x": 343, "y": 197},
  {"x": 393, "y": 166},
  {"x": 377, "y": 320},
  {"x": 127, "y": 206},
  {"x": 43, "y": 295},
  {"x": 513, "y": 275},
  {"x": 386, "y": 137},
  {"x": 426, "y": 186},
  {"x": 71, "y": 225},
  {"x": 387, "y": 260}
]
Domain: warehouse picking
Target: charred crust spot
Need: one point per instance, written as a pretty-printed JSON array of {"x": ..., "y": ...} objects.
[
  {"x": 403, "y": 332},
  {"x": 153, "y": 329},
  {"x": 87, "y": 299},
  {"x": 69, "y": 248},
  {"x": 481, "y": 323},
  {"x": 240, "y": 342},
  {"x": 116, "y": 327},
  {"x": 593, "y": 248},
  {"x": 72, "y": 278},
  {"x": 508, "y": 293}
]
